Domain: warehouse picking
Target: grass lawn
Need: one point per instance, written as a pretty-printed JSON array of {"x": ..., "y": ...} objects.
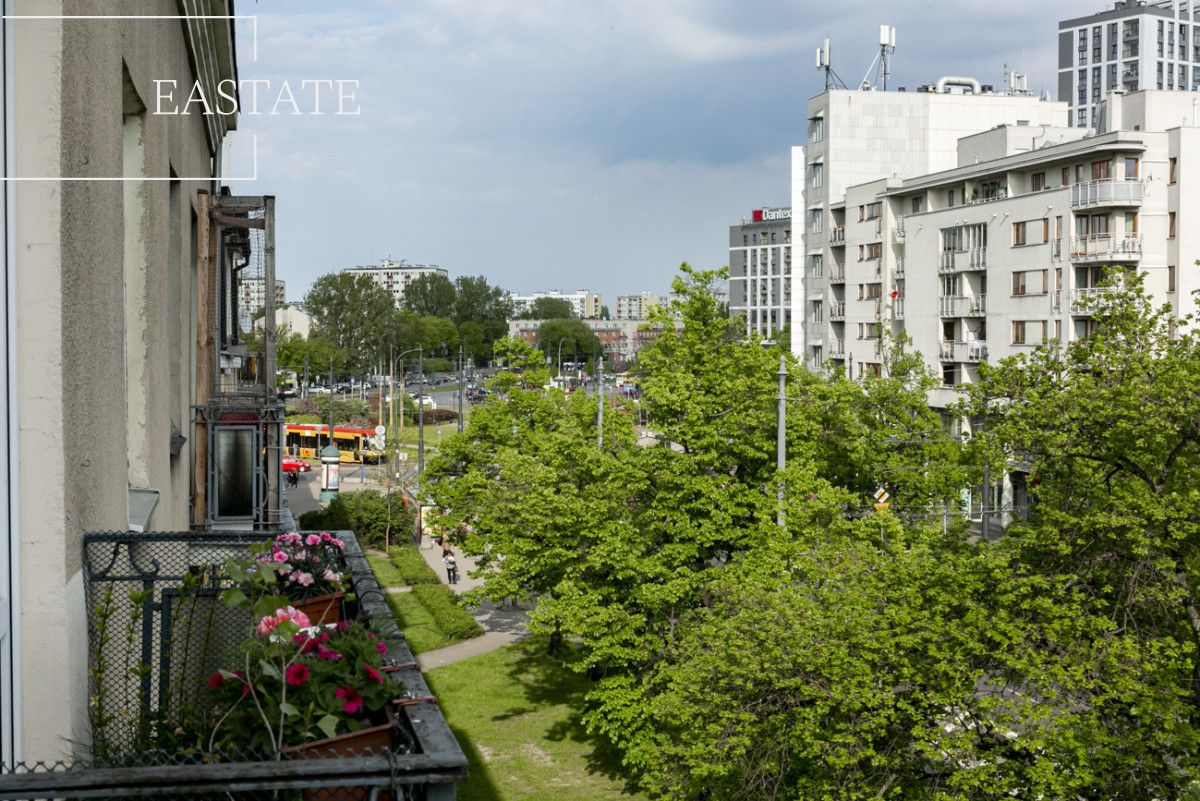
[
  {"x": 385, "y": 572},
  {"x": 510, "y": 710},
  {"x": 418, "y": 624}
]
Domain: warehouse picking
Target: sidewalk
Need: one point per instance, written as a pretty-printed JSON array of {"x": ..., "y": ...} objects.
[{"x": 501, "y": 626}]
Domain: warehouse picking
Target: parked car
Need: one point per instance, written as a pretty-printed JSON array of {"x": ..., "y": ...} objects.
[
  {"x": 477, "y": 395},
  {"x": 425, "y": 401},
  {"x": 318, "y": 390},
  {"x": 293, "y": 465}
]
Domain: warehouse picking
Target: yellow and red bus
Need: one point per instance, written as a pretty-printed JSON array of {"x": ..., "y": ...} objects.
[{"x": 357, "y": 445}]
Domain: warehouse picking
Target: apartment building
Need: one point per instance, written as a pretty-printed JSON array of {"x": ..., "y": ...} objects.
[
  {"x": 252, "y": 297},
  {"x": 584, "y": 303},
  {"x": 856, "y": 137},
  {"x": 760, "y": 272},
  {"x": 620, "y": 339},
  {"x": 1134, "y": 45},
  {"x": 637, "y": 307},
  {"x": 1002, "y": 252},
  {"x": 396, "y": 274}
]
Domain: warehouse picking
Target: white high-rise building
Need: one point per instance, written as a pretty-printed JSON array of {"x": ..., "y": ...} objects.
[
  {"x": 1134, "y": 45},
  {"x": 394, "y": 275},
  {"x": 855, "y": 137},
  {"x": 584, "y": 303},
  {"x": 252, "y": 298},
  {"x": 760, "y": 272},
  {"x": 1004, "y": 250},
  {"x": 637, "y": 307}
]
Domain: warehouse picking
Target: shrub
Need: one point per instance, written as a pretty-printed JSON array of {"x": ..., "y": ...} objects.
[
  {"x": 440, "y": 416},
  {"x": 366, "y": 514},
  {"x": 412, "y": 566},
  {"x": 304, "y": 419},
  {"x": 450, "y": 617}
]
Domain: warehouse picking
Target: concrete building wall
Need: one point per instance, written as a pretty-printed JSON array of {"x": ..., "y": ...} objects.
[
  {"x": 760, "y": 274},
  {"x": 104, "y": 304}
]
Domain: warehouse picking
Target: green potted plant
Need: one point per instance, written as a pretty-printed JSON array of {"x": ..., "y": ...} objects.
[
  {"x": 303, "y": 690},
  {"x": 309, "y": 570}
]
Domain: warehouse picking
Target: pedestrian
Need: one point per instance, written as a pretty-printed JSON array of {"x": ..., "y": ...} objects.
[
  {"x": 451, "y": 568},
  {"x": 447, "y": 550}
]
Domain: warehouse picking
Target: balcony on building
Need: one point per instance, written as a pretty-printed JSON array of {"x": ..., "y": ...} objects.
[
  {"x": 958, "y": 261},
  {"x": 837, "y": 310},
  {"x": 1106, "y": 247},
  {"x": 898, "y": 232},
  {"x": 971, "y": 352},
  {"x": 1108, "y": 192},
  {"x": 837, "y": 236},
  {"x": 898, "y": 269},
  {"x": 975, "y": 306},
  {"x": 1083, "y": 300},
  {"x": 837, "y": 349},
  {"x": 837, "y": 274},
  {"x": 897, "y": 308}
]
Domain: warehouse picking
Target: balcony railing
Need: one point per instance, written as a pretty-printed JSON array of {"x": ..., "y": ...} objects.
[
  {"x": 837, "y": 310},
  {"x": 837, "y": 275},
  {"x": 157, "y": 630},
  {"x": 837, "y": 235},
  {"x": 1108, "y": 192},
  {"x": 1101, "y": 247},
  {"x": 1084, "y": 300},
  {"x": 898, "y": 308},
  {"x": 963, "y": 306},
  {"x": 837, "y": 349},
  {"x": 957, "y": 261},
  {"x": 898, "y": 269},
  {"x": 973, "y": 352}
]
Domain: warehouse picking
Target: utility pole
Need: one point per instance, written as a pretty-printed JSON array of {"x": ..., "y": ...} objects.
[
  {"x": 330, "y": 400},
  {"x": 304, "y": 394},
  {"x": 461, "y": 384},
  {"x": 421, "y": 411},
  {"x": 781, "y": 440}
]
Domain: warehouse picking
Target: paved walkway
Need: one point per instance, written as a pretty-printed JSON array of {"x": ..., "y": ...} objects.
[{"x": 502, "y": 626}]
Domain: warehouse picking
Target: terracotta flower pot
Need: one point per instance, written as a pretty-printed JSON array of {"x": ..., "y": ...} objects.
[{"x": 322, "y": 609}]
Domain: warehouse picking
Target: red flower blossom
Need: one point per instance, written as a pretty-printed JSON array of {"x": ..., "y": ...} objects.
[
  {"x": 215, "y": 681},
  {"x": 374, "y": 674},
  {"x": 297, "y": 674},
  {"x": 352, "y": 701},
  {"x": 327, "y": 653},
  {"x": 381, "y": 647},
  {"x": 342, "y": 625}
]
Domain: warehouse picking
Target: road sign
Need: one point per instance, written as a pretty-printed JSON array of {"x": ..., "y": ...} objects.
[
  {"x": 380, "y": 431},
  {"x": 402, "y": 456},
  {"x": 881, "y": 495},
  {"x": 880, "y": 507}
]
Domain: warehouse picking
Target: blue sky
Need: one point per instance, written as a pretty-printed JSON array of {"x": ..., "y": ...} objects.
[{"x": 574, "y": 143}]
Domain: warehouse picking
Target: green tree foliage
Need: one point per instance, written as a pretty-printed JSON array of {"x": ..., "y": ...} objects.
[
  {"x": 549, "y": 309},
  {"x": 293, "y": 351},
  {"x": 350, "y": 312},
  {"x": 567, "y": 337},
  {"x": 429, "y": 295},
  {"x": 476, "y": 300}
]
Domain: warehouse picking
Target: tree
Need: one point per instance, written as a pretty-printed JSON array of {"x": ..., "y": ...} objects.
[
  {"x": 294, "y": 351},
  {"x": 351, "y": 312},
  {"x": 430, "y": 295},
  {"x": 549, "y": 309},
  {"x": 477, "y": 301},
  {"x": 604, "y": 313},
  {"x": 567, "y": 337}
]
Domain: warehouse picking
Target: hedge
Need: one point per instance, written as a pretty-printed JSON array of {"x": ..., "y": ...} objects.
[
  {"x": 412, "y": 566},
  {"x": 451, "y": 618},
  {"x": 365, "y": 513}
]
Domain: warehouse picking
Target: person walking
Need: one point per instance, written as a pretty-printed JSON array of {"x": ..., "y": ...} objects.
[{"x": 451, "y": 568}]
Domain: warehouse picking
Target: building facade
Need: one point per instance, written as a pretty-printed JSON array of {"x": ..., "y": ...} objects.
[
  {"x": 856, "y": 137},
  {"x": 584, "y": 303},
  {"x": 621, "y": 339},
  {"x": 252, "y": 299},
  {"x": 637, "y": 307},
  {"x": 1003, "y": 252},
  {"x": 1134, "y": 45},
  {"x": 760, "y": 272},
  {"x": 394, "y": 275}
]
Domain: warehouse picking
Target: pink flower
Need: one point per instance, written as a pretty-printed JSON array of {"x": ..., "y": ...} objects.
[
  {"x": 297, "y": 674},
  {"x": 271, "y": 622},
  {"x": 352, "y": 700},
  {"x": 381, "y": 647},
  {"x": 312, "y": 539},
  {"x": 374, "y": 674},
  {"x": 215, "y": 681},
  {"x": 337, "y": 543},
  {"x": 331, "y": 576},
  {"x": 326, "y": 536},
  {"x": 327, "y": 653},
  {"x": 280, "y": 557},
  {"x": 305, "y": 579},
  {"x": 343, "y": 625}
]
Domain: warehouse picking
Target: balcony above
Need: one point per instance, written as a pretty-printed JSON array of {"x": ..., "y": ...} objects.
[
  {"x": 837, "y": 310},
  {"x": 1107, "y": 192},
  {"x": 837, "y": 235},
  {"x": 962, "y": 261},
  {"x": 971, "y": 352},
  {"x": 837, "y": 275},
  {"x": 963, "y": 306},
  {"x": 1106, "y": 247}
]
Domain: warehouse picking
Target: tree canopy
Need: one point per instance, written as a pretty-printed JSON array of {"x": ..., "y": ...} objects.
[
  {"x": 350, "y": 311},
  {"x": 549, "y": 309},
  {"x": 430, "y": 295}
]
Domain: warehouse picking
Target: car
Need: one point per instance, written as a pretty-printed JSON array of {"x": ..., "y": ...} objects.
[
  {"x": 291, "y": 464},
  {"x": 477, "y": 395},
  {"x": 318, "y": 390},
  {"x": 425, "y": 401}
]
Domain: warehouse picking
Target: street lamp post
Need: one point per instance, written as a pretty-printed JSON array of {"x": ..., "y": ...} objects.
[
  {"x": 600, "y": 400},
  {"x": 781, "y": 440},
  {"x": 420, "y": 402},
  {"x": 462, "y": 367}
]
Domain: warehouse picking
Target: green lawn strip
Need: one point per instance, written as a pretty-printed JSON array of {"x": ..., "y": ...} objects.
[
  {"x": 385, "y": 572},
  {"x": 442, "y": 604},
  {"x": 411, "y": 566},
  {"x": 419, "y": 627},
  {"x": 511, "y": 711}
]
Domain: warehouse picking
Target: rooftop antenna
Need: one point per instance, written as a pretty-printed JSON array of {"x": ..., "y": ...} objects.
[
  {"x": 887, "y": 46},
  {"x": 832, "y": 79}
]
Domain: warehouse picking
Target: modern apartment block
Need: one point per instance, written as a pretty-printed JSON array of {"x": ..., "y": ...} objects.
[
  {"x": 855, "y": 137},
  {"x": 1003, "y": 251},
  {"x": 621, "y": 339},
  {"x": 394, "y": 275},
  {"x": 760, "y": 271},
  {"x": 584, "y": 303},
  {"x": 1133, "y": 46},
  {"x": 252, "y": 298},
  {"x": 637, "y": 307}
]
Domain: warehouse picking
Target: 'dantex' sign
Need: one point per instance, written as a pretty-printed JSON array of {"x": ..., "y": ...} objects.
[{"x": 766, "y": 215}]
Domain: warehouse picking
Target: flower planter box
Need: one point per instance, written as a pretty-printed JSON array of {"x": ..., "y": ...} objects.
[
  {"x": 364, "y": 742},
  {"x": 322, "y": 609}
]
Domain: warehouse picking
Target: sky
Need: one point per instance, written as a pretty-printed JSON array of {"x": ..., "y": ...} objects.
[{"x": 570, "y": 144}]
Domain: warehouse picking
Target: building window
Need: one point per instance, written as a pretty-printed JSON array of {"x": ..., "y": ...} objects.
[
  {"x": 1037, "y": 181},
  {"x": 916, "y": 205},
  {"x": 950, "y": 197},
  {"x": 816, "y": 266},
  {"x": 1174, "y": 164},
  {"x": 860, "y": 252},
  {"x": 816, "y": 221},
  {"x": 1170, "y": 277},
  {"x": 816, "y": 176},
  {"x": 818, "y": 312},
  {"x": 1029, "y": 282},
  {"x": 1101, "y": 170},
  {"x": 874, "y": 251},
  {"x": 816, "y": 129},
  {"x": 874, "y": 210},
  {"x": 1170, "y": 225},
  {"x": 874, "y": 291},
  {"x": 1066, "y": 176},
  {"x": 1019, "y": 231},
  {"x": 1131, "y": 168},
  {"x": 1028, "y": 332},
  {"x": 949, "y": 374}
]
